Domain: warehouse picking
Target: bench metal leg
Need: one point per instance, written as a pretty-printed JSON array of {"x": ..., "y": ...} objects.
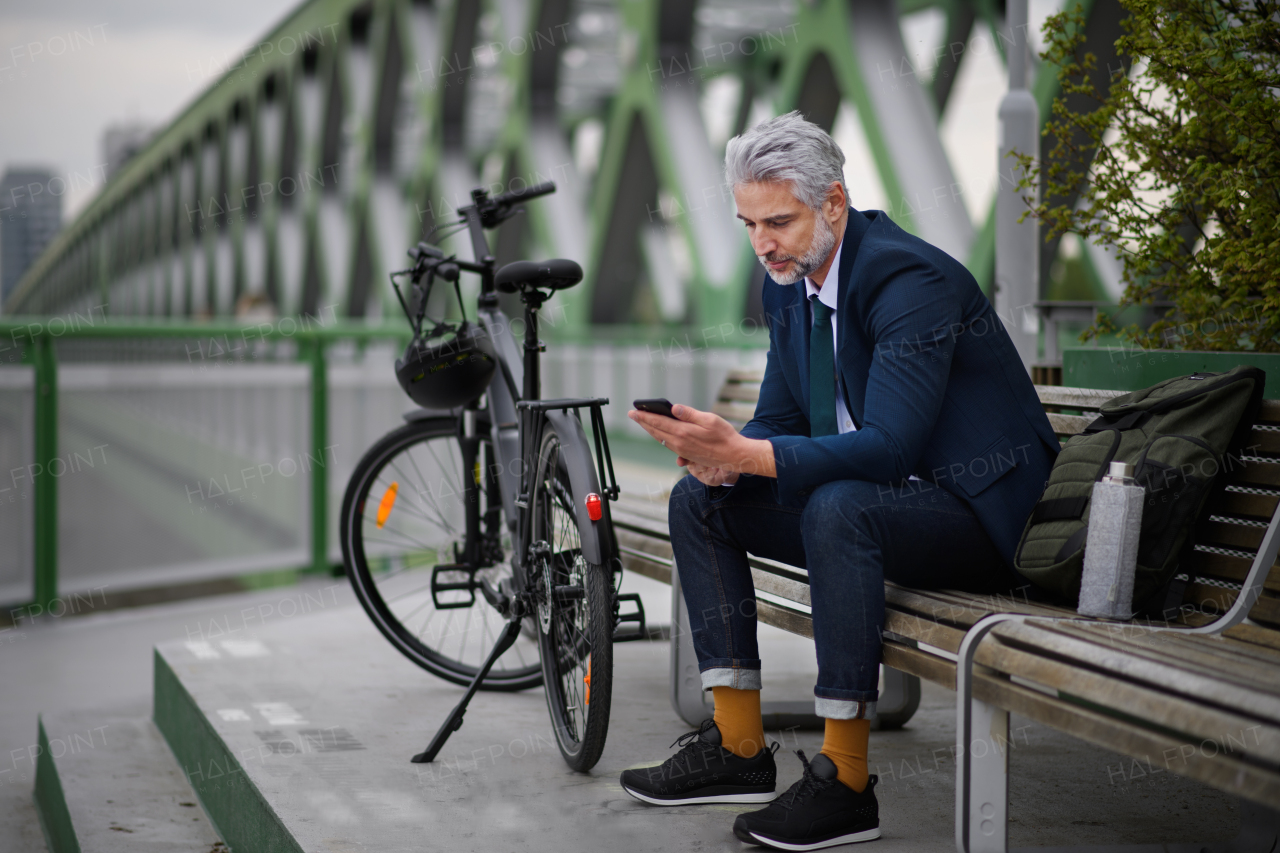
[
  {"x": 982, "y": 777},
  {"x": 898, "y": 702},
  {"x": 687, "y": 697},
  {"x": 986, "y": 754},
  {"x": 982, "y": 760}
]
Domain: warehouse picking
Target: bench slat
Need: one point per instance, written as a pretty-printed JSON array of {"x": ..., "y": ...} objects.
[
  {"x": 1227, "y": 535},
  {"x": 1253, "y": 668},
  {"x": 731, "y": 411},
  {"x": 1256, "y": 472},
  {"x": 1267, "y": 610},
  {"x": 1211, "y": 599},
  {"x": 1222, "y": 647},
  {"x": 919, "y": 663},
  {"x": 1230, "y": 568},
  {"x": 1254, "y": 635},
  {"x": 784, "y": 587},
  {"x": 1074, "y": 398},
  {"x": 1240, "y": 503},
  {"x": 1094, "y": 651},
  {"x": 917, "y": 629},
  {"x": 963, "y": 608},
  {"x": 1264, "y": 441},
  {"x": 791, "y": 621},
  {"x": 740, "y": 391},
  {"x": 1065, "y": 426}
]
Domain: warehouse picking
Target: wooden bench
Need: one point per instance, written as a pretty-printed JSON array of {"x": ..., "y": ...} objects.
[{"x": 1198, "y": 695}]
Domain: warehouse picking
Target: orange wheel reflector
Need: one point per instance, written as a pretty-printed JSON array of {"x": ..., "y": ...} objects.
[
  {"x": 388, "y": 501},
  {"x": 587, "y": 680},
  {"x": 477, "y": 473}
]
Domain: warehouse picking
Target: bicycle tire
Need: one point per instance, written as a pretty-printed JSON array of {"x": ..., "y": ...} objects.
[
  {"x": 576, "y": 636},
  {"x": 390, "y": 563}
]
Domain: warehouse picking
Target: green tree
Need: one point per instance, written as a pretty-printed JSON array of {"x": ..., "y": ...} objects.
[{"x": 1185, "y": 184}]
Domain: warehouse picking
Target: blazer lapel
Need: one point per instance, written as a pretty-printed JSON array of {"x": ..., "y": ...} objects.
[{"x": 851, "y": 362}]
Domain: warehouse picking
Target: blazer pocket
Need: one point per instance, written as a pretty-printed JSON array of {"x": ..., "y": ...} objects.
[{"x": 978, "y": 473}]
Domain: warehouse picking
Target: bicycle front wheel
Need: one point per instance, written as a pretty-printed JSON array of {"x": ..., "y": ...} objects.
[
  {"x": 404, "y": 514},
  {"x": 575, "y": 614}
]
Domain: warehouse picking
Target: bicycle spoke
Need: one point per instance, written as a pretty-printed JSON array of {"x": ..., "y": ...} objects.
[
  {"x": 445, "y": 470},
  {"x": 434, "y": 507}
]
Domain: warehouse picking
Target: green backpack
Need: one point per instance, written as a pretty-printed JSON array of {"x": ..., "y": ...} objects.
[{"x": 1179, "y": 435}]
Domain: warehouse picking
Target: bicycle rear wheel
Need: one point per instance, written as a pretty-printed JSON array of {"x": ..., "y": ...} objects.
[
  {"x": 575, "y": 614},
  {"x": 403, "y": 514}
]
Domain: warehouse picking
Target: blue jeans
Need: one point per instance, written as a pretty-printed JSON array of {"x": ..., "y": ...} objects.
[{"x": 851, "y": 536}]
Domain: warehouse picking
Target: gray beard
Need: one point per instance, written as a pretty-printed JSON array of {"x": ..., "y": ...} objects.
[{"x": 824, "y": 240}]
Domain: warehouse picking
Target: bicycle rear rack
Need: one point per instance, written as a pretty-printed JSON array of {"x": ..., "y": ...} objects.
[{"x": 604, "y": 459}]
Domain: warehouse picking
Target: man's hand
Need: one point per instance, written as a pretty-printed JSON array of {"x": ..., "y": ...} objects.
[
  {"x": 708, "y": 442},
  {"x": 710, "y": 475}
]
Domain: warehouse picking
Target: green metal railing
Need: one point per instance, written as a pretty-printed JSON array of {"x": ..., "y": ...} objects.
[{"x": 36, "y": 336}]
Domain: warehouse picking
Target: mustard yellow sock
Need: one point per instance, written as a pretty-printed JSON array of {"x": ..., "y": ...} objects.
[
  {"x": 738, "y": 719},
  {"x": 845, "y": 743}
]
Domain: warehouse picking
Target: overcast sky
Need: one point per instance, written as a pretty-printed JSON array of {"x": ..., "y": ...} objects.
[{"x": 69, "y": 68}]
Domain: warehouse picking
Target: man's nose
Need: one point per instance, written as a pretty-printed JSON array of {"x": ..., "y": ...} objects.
[{"x": 763, "y": 245}]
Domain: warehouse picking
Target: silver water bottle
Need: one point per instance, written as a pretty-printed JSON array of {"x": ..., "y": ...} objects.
[{"x": 1111, "y": 550}]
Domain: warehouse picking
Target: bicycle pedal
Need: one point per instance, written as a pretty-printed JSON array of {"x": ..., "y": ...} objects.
[
  {"x": 642, "y": 632},
  {"x": 439, "y": 586}
]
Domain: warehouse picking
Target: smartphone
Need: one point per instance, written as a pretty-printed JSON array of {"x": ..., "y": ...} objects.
[{"x": 659, "y": 406}]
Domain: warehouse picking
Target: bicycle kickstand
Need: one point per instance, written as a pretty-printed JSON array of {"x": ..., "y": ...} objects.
[{"x": 454, "y": 721}]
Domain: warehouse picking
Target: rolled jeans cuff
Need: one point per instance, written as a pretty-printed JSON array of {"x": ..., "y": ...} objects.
[
  {"x": 845, "y": 704},
  {"x": 742, "y": 675}
]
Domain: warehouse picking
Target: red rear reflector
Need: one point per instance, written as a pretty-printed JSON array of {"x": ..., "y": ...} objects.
[{"x": 594, "y": 508}]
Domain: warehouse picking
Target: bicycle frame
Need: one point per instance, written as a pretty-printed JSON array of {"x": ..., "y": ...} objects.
[{"x": 517, "y": 418}]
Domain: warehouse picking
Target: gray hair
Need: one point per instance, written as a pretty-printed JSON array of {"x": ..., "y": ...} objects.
[{"x": 787, "y": 149}]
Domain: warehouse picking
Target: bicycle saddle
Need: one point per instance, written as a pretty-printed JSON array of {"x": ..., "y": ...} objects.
[{"x": 555, "y": 274}]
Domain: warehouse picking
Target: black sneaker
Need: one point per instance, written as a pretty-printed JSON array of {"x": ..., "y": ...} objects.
[
  {"x": 705, "y": 772},
  {"x": 817, "y": 811}
]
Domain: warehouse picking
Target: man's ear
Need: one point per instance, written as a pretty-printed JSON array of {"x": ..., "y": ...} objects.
[{"x": 836, "y": 201}]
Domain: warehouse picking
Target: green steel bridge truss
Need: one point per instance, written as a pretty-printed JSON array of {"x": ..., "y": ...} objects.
[{"x": 297, "y": 180}]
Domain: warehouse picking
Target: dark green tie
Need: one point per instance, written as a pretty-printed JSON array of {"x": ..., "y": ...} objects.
[{"x": 822, "y": 373}]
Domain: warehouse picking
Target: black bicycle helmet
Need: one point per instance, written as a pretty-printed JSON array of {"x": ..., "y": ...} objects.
[{"x": 444, "y": 373}]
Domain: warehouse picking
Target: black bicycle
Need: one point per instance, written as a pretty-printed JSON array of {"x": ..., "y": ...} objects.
[{"x": 488, "y": 488}]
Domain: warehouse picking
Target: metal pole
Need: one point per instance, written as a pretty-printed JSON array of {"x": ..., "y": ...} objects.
[
  {"x": 319, "y": 467},
  {"x": 44, "y": 483},
  {"x": 1017, "y": 243}
]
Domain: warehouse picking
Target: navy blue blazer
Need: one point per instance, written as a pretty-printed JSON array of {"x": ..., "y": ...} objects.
[{"x": 930, "y": 377}]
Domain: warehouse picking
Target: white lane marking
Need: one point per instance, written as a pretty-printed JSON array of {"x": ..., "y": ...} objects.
[
  {"x": 203, "y": 650},
  {"x": 245, "y": 648},
  {"x": 279, "y": 714},
  {"x": 233, "y": 715}
]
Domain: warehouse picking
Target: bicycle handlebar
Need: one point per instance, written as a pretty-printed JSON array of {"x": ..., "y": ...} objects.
[
  {"x": 514, "y": 196},
  {"x": 484, "y": 212}
]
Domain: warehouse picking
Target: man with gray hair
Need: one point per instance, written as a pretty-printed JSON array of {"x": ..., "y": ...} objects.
[{"x": 897, "y": 437}]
